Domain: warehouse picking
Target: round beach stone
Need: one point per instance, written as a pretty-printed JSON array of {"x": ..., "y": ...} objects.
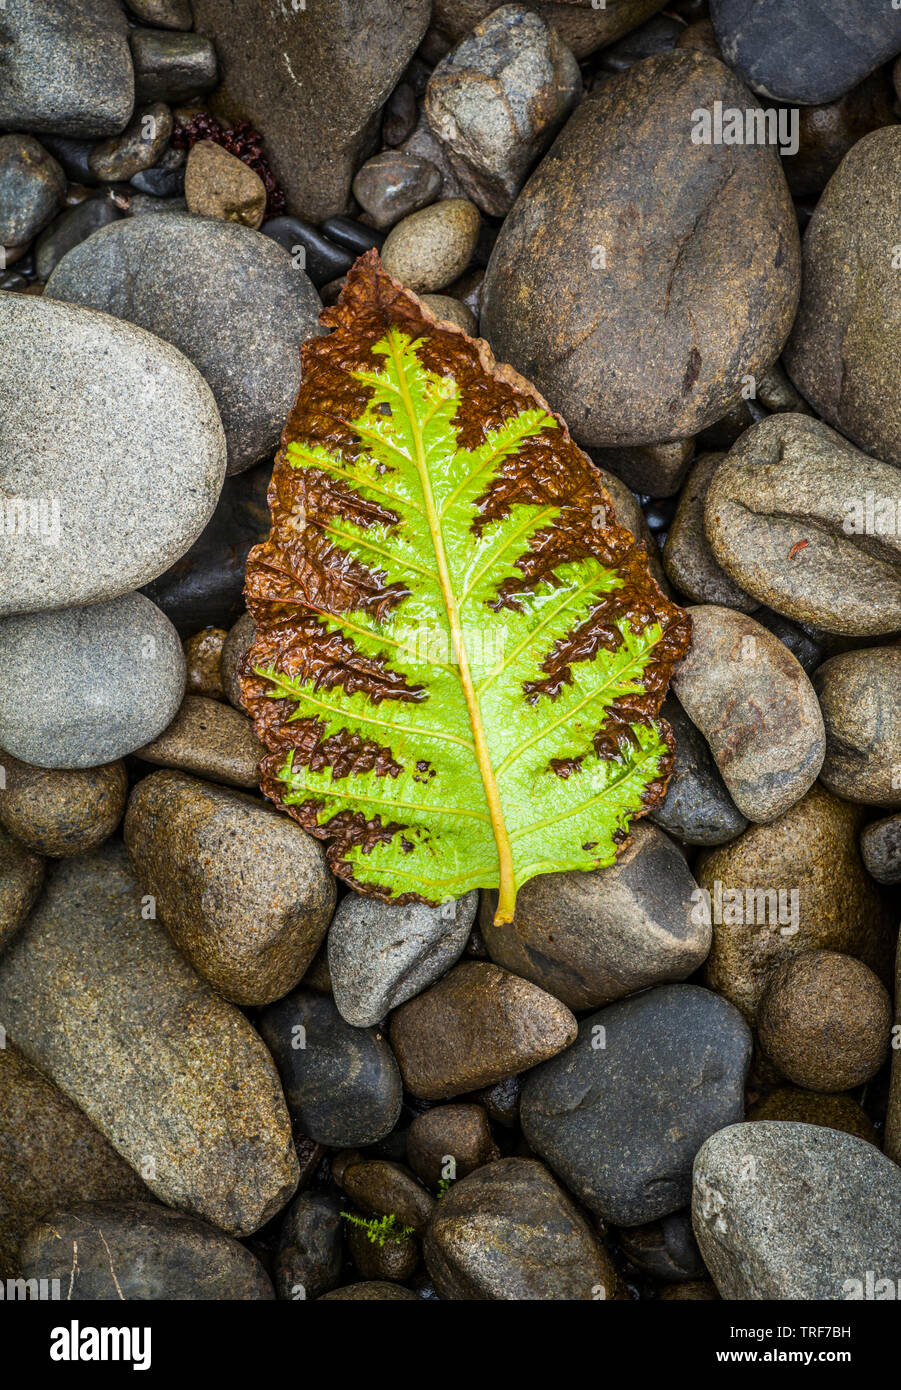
[
  {"x": 510, "y": 1232},
  {"x": 697, "y": 808},
  {"x": 140, "y": 146},
  {"x": 112, "y": 455},
  {"x": 380, "y": 955},
  {"x": 168, "y": 14},
  {"x": 860, "y": 696},
  {"x": 244, "y": 892},
  {"x": 644, "y": 329},
  {"x": 687, "y": 557},
  {"x": 432, "y": 247},
  {"x": 32, "y": 186},
  {"x": 218, "y": 184},
  {"x": 171, "y": 67},
  {"x": 388, "y": 1189},
  {"x": 754, "y": 704},
  {"x": 203, "y": 655},
  {"x": 450, "y": 310},
  {"x": 310, "y": 1247},
  {"x": 234, "y": 649},
  {"x": 117, "y": 669},
  {"x": 815, "y": 1108},
  {"x": 109, "y": 1251},
  {"x": 396, "y": 1260},
  {"x": 73, "y": 226},
  {"x": 664, "y": 1249},
  {"x": 392, "y": 184},
  {"x": 460, "y": 1133},
  {"x": 880, "y": 845},
  {"x": 96, "y": 996},
  {"x": 795, "y": 1211},
  {"x": 231, "y": 299},
  {"x": 59, "y": 813},
  {"x": 620, "y": 1116},
  {"x": 655, "y": 469},
  {"x": 477, "y": 1025},
  {"x": 590, "y": 938},
  {"x": 371, "y": 1291},
  {"x": 341, "y": 1083},
  {"x": 21, "y": 877},
  {"x": 211, "y": 739}
]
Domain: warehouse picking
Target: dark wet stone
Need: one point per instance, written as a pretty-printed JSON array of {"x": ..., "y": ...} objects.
[
  {"x": 826, "y": 133},
  {"x": 321, "y": 258},
  {"x": 381, "y": 1188},
  {"x": 370, "y": 1292},
  {"x": 353, "y": 236},
  {"x": 32, "y": 185},
  {"x": 160, "y": 183},
  {"x": 697, "y": 807},
  {"x": 815, "y": 1108},
  {"x": 309, "y": 1258},
  {"x": 235, "y": 647},
  {"x": 450, "y": 1141},
  {"x": 687, "y": 557},
  {"x": 664, "y": 1249},
  {"x": 73, "y": 226},
  {"x": 171, "y": 67},
  {"x": 140, "y": 145},
  {"x": 880, "y": 845},
  {"x": 391, "y": 185}
]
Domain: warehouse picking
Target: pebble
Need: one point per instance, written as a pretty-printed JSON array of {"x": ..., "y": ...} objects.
[
  {"x": 244, "y": 892},
  {"x": 664, "y": 1249},
  {"x": 449, "y": 310},
  {"x": 687, "y": 557},
  {"x": 629, "y": 514},
  {"x": 352, "y": 235},
  {"x": 842, "y": 355},
  {"x": 96, "y": 996},
  {"x": 203, "y": 656},
  {"x": 377, "y": 1290},
  {"x": 815, "y": 1108},
  {"x": 112, "y": 444},
  {"x": 582, "y": 27},
  {"x": 105, "y": 1251},
  {"x": 310, "y": 1248},
  {"x": 32, "y": 186},
  {"x": 697, "y": 808},
  {"x": 795, "y": 1211},
  {"x": 168, "y": 14},
  {"x": 827, "y": 132},
  {"x": 510, "y": 1232},
  {"x": 140, "y": 145},
  {"x": 396, "y": 1260},
  {"x": 621, "y": 1115},
  {"x": 73, "y": 226},
  {"x": 243, "y": 332},
  {"x": 21, "y": 878},
  {"x": 459, "y": 1133},
  {"x": 654, "y": 469},
  {"x": 322, "y": 259},
  {"x": 58, "y": 813},
  {"x": 65, "y": 67},
  {"x": 810, "y": 851},
  {"x": 380, "y": 955},
  {"x": 477, "y": 1025},
  {"x": 430, "y": 248},
  {"x": 754, "y": 704},
  {"x": 658, "y": 34},
  {"x": 172, "y": 67},
  {"x": 210, "y": 739},
  {"x": 705, "y": 281},
  {"x": 388, "y": 1189},
  {"x": 825, "y": 1021},
  {"x": 234, "y": 649},
  {"x": 217, "y": 184},
  {"x": 880, "y": 845},
  {"x": 342, "y": 1083},
  {"x": 786, "y": 517},
  {"x": 423, "y": 145},
  {"x": 497, "y": 101},
  {"x": 41, "y": 1131},
  {"x": 590, "y": 938},
  {"x": 860, "y": 696},
  {"x": 391, "y": 185}
]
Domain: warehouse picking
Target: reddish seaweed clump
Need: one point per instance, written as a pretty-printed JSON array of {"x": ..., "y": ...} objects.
[{"x": 239, "y": 139}]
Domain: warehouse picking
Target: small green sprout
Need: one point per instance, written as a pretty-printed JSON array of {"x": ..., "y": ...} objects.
[{"x": 380, "y": 1231}]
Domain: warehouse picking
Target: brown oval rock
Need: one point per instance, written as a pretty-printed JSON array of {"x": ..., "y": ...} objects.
[
  {"x": 370, "y": 1291},
  {"x": 754, "y": 704},
  {"x": 640, "y": 277},
  {"x": 203, "y": 654},
  {"x": 860, "y": 696},
  {"x": 388, "y": 1189},
  {"x": 581, "y": 24},
  {"x": 210, "y": 739},
  {"x": 451, "y": 310},
  {"x": 687, "y": 557},
  {"x": 21, "y": 876},
  {"x": 218, "y": 184},
  {"x": 243, "y": 891},
  {"x": 457, "y": 1132},
  {"x": 430, "y": 248},
  {"x": 63, "y": 812},
  {"x": 234, "y": 649},
  {"x": 815, "y": 1108},
  {"x": 655, "y": 469},
  {"x": 797, "y": 518},
  {"x": 394, "y": 1260},
  {"x": 893, "y": 1117},
  {"x": 880, "y": 845},
  {"x": 476, "y": 1026},
  {"x": 509, "y": 1231},
  {"x": 393, "y": 184}
]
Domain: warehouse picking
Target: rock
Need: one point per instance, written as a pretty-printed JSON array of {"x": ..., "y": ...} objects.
[
  {"x": 399, "y": 115},
  {"x": 342, "y": 1083},
  {"x": 893, "y": 1117},
  {"x": 380, "y": 955},
  {"x": 310, "y": 1248},
  {"x": 687, "y": 557},
  {"x": 621, "y": 1115},
  {"x": 805, "y": 51},
  {"x": 793, "y": 1211},
  {"x": 655, "y": 469},
  {"x": 211, "y": 740},
  {"x": 112, "y": 455},
  {"x": 590, "y": 938},
  {"x": 117, "y": 668},
  {"x": 860, "y": 696},
  {"x": 203, "y": 655},
  {"x": 227, "y": 297},
  {"x": 842, "y": 352},
  {"x": 476, "y": 1026},
  {"x": 826, "y": 133},
  {"x": 171, "y": 67},
  {"x": 459, "y": 1133},
  {"x": 73, "y": 226},
  {"x": 206, "y": 586},
  {"x": 353, "y": 236},
  {"x": 32, "y": 186},
  {"x": 422, "y": 145},
  {"x": 21, "y": 877},
  {"x": 94, "y": 994},
  {"x": 140, "y": 145},
  {"x": 429, "y": 249},
  {"x": 451, "y": 310},
  {"x": 244, "y": 893},
  {"x": 582, "y": 26},
  {"x": 51, "y": 1156},
  {"x": 61, "y": 813},
  {"x": 509, "y": 1232},
  {"x": 310, "y": 250},
  {"x": 168, "y": 14},
  {"x": 502, "y": 1101},
  {"x": 815, "y": 1108},
  {"x": 65, "y": 67},
  {"x": 371, "y": 1291},
  {"x": 880, "y": 845},
  {"x": 800, "y": 641},
  {"x": 388, "y": 1189},
  {"x": 392, "y": 185},
  {"x": 271, "y": 62},
  {"x": 236, "y": 646},
  {"x": 109, "y": 1251},
  {"x": 705, "y": 281},
  {"x": 794, "y": 885},
  {"x": 218, "y": 184},
  {"x": 630, "y": 515},
  {"x": 73, "y": 156},
  {"x": 395, "y": 1259},
  {"x": 162, "y": 184},
  {"x": 755, "y": 706},
  {"x": 825, "y": 1021},
  {"x": 497, "y": 101},
  {"x": 664, "y": 1249},
  {"x": 697, "y": 807},
  {"x": 658, "y": 34},
  {"x": 786, "y": 518}
]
